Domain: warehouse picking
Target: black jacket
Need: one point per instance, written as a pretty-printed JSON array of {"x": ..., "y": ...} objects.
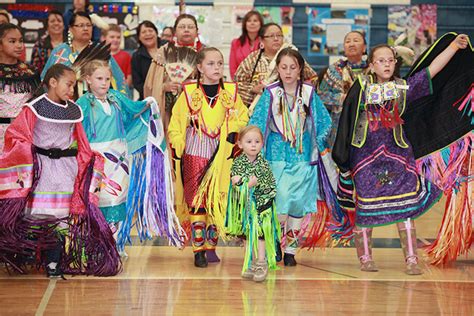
[{"x": 141, "y": 61}]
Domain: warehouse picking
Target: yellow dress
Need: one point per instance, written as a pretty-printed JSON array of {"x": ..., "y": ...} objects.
[{"x": 198, "y": 132}]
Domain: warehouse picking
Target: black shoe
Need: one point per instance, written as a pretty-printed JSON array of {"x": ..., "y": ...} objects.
[
  {"x": 278, "y": 255},
  {"x": 200, "y": 260},
  {"x": 289, "y": 260}
]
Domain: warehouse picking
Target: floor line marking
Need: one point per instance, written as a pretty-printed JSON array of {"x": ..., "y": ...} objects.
[
  {"x": 46, "y": 297},
  {"x": 329, "y": 271},
  {"x": 238, "y": 277}
]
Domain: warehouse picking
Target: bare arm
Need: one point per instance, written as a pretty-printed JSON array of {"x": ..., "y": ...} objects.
[{"x": 460, "y": 42}]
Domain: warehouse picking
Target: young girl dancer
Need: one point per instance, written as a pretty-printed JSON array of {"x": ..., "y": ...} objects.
[
  {"x": 295, "y": 124},
  {"x": 250, "y": 210},
  {"x": 49, "y": 179},
  {"x": 108, "y": 115},
  {"x": 202, "y": 129},
  {"x": 18, "y": 80},
  {"x": 376, "y": 158}
]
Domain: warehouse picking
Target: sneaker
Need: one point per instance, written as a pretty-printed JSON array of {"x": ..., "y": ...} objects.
[
  {"x": 289, "y": 260},
  {"x": 249, "y": 273},
  {"x": 261, "y": 271},
  {"x": 412, "y": 266},
  {"x": 200, "y": 260}
]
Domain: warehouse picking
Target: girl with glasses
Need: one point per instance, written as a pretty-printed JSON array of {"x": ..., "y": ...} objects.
[{"x": 381, "y": 183}]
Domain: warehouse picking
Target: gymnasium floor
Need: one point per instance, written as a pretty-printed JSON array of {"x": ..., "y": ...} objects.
[{"x": 159, "y": 280}]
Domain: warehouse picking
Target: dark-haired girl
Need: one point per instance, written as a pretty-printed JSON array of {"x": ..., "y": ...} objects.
[
  {"x": 295, "y": 124},
  {"x": 247, "y": 42},
  {"x": 50, "y": 177},
  {"x": 257, "y": 67},
  {"x": 382, "y": 184},
  {"x": 205, "y": 118},
  {"x": 18, "y": 80}
]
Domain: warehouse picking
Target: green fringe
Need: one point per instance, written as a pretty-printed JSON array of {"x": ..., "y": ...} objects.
[{"x": 243, "y": 219}]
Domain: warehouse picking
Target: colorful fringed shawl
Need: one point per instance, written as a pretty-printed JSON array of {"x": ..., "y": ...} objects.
[{"x": 91, "y": 247}]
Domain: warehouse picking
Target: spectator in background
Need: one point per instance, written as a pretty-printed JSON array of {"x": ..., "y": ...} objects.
[
  {"x": 167, "y": 34},
  {"x": 80, "y": 6},
  {"x": 5, "y": 18},
  {"x": 54, "y": 36},
  {"x": 113, "y": 36},
  {"x": 141, "y": 59},
  {"x": 247, "y": 42}
]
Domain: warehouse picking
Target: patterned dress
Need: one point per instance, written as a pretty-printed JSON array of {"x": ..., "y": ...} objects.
[
  {"x": 293, "y": 153},
  {"x": 106, "y": 125},
  {"x": 387, "y": 186},
  {"x": 196, "y": 128},
  {"x": 17, "y": 84},
  {"x": 54, "y": 129},
  {"x": 265, "y": 190}
]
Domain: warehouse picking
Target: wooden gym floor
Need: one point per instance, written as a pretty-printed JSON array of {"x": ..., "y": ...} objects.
[{"x": 160, "y": 280}]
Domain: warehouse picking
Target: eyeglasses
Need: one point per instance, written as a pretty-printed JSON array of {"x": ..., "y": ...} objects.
[
  {"x": 383, "y": 61},
  {"x": 189, "y": 27},
  {"x": 277, "y": 36},
  {"x": 82, "y": 26}
]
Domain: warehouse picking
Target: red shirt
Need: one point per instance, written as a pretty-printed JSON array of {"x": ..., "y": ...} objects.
[
  {"x": 238, "y": 53},
  {"x": 124, "y": 60}
]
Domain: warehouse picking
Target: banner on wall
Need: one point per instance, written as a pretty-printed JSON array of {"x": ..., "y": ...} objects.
[
  {"x": 31, "y": 18},
  {"x": 282, "y": 16},
  {"x": 328, "y": 26},
  {"x": 125, "y": 16},
  {"x": 416, "y": 23}
]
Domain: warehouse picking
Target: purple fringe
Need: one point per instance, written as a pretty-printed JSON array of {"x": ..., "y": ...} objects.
[
  {"x": 92, "y": 249},
  {"x": 25, "y": 246},
  {"x": 157, "y": 196}
]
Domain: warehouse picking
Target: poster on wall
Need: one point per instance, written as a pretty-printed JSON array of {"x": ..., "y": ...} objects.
[
  {"x": 416, "y": 24},
  {"x": 31, "y": 18},
  {"x": 238, "y": 13},
  {"x": 282, "y": 16},
  {"x": 125, "y": 16},
  {"x": 328, "y": 26},
  {"x": 164, "y": 16}
]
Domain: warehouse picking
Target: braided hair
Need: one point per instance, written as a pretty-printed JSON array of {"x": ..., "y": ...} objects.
[
  {"x": 301, "y": 63},
  {"x": 261, "y": 34}
]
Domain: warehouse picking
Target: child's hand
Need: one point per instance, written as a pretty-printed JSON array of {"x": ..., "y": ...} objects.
[
  {"x": 235, "y": 179},
  {"x": 149, "y": 100},
  {"x": 461, "y": 41},
  {"x": 252, "y": 181}
]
